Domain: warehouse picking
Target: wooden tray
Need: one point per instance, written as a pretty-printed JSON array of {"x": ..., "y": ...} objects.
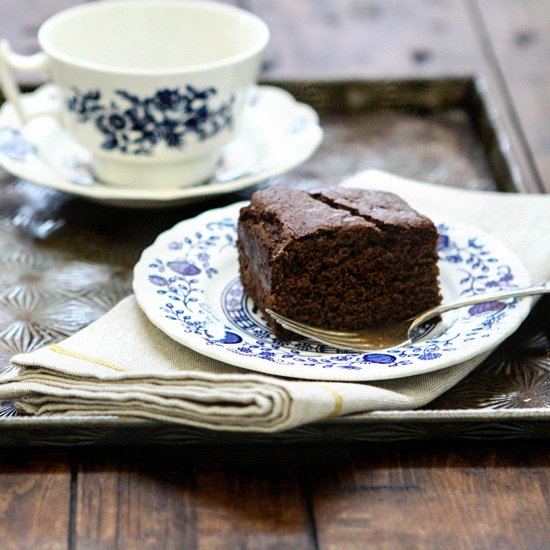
[{"x": 67, "y": 261}]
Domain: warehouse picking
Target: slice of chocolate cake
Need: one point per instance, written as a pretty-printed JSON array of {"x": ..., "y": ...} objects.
[{"x": 338, "y": 258}]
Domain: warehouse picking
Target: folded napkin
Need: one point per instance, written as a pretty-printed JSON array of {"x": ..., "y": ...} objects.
[{"x": 122, "y": 365}]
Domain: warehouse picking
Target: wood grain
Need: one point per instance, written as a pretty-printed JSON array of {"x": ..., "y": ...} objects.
[
  {"x": 413, "y": 496},
  {"x": 519, "y": 32},
  {"x": 432, "y": 498},
  {"x": 393, "y": 39},
  {"x": 220, "y": 497},
  {"x": 368, "y": 39},
  {"x": 35, "y": 500},
  {"x": 19, "y": 23}
]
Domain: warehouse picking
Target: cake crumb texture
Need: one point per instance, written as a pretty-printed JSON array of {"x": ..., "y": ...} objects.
[{"x": 338, "y": 258}]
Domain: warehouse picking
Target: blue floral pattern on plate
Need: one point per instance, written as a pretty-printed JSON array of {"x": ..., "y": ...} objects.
[
  {"x": 187, "y": 283},
  {"x": 135, "y": 125}
]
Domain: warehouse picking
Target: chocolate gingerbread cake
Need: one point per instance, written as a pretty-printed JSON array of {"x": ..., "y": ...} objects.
[{"x": 338, "y": 258}]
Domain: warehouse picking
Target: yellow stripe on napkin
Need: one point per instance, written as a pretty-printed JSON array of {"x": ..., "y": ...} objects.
[
  {"x": 338, "y": 401},
  {"x": 64, "y": 351}
]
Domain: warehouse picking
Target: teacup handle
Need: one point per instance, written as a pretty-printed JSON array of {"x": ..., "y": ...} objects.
[{"x": 9, "y": 60}]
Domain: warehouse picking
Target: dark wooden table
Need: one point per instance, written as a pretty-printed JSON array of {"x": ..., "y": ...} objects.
[{"x": 439, "y": 493}]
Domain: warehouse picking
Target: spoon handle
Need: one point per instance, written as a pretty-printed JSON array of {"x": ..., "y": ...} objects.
[{"x": 543, "y": 288}]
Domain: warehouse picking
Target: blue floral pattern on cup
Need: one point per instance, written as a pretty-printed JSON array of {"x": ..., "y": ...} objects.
[{"x": 170, "y": 116}]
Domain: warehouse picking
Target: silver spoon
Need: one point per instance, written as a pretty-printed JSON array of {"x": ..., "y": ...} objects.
[{"x": 402, "y": 333}]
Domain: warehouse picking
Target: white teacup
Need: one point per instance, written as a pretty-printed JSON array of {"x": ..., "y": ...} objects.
[{"x": 152, "y": 88}]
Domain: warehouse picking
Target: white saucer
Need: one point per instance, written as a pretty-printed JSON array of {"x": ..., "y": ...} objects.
[
  {"x": 277, "y": 134},
  {"x": 187, "y": 283}
]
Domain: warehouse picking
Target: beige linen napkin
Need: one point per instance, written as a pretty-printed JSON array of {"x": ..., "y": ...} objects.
[{"x": 124, "y": 366}]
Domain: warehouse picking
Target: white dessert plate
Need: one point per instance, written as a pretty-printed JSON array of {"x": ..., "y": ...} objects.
[
  {"x": 277, "y": 134},
  {"x": 187, "y": 283}
]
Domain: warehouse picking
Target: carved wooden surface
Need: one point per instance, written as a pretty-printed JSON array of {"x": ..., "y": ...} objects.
[{"x": 424, "y": 494}]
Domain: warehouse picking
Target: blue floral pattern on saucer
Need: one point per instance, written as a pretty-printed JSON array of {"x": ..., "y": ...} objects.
[
  {"x": 188, "y": 285},
  {"x": 276, "y": 134},
  {"x": 136, "y": 125},
  {"x": 14, "y": 145}
]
